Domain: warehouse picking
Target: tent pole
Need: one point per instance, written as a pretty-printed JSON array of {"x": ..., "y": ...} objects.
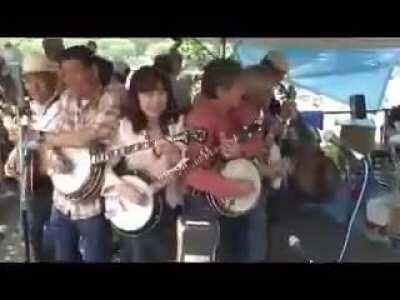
[{"x": 223, "y": 45}]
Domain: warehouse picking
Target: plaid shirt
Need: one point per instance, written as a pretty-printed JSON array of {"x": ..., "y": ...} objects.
[
  {"x": 79, "y": 114},
  {"x": 44, "y": 118}
]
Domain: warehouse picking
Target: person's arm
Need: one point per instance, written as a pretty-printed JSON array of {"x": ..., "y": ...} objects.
[
  {"x": 81, "y": 138},
  {"x": 207, "y": 180},
  {"x": 115, "y": 186},
  {"x": 203, "y": 178},
  {"x": 11, "y": 167},
  {"x": 103, "y": 127},
  {"x": 252, "y": 147},
  {"x": 246, "y": 115}
]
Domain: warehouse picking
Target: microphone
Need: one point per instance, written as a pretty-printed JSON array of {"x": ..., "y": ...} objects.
[
  {"x": 330, "y": 137},
  {"x": 295, "y": 243}
]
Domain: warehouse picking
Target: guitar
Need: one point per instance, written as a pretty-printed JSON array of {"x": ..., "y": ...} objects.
[{"x": 85, "y": 176}]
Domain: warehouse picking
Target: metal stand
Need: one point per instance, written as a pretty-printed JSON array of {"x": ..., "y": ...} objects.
[
  {"x": 356, "y": 209},
  {"x": 24, "y": 158}
]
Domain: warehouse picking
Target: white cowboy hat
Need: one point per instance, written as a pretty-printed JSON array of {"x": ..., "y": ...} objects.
[
  {"x": 278, "y": 61},
  {"x": 37, "y": 62}
]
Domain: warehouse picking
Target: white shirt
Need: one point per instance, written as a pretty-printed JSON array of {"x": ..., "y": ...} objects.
[
  {"x": 144, "y": 160},
  {"x": 45, "y": 116}
]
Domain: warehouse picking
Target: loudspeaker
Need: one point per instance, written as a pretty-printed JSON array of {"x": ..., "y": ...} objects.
[
  {"x": 357, "y": 107},
  {"x": 197, "y": 241}
]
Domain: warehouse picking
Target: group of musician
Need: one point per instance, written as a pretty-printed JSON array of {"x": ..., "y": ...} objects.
[{"x": 78, "y": 99}]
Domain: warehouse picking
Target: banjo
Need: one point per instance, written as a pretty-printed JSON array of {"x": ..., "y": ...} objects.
[
  {"x": 241, "y": 169},
  {"x": 86, "y": 166},
  {"x": 134, "y": 219}
]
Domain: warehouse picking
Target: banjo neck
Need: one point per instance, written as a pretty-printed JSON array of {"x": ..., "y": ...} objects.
[
  {"x": 183, "y": 137},
  {"x": 206, "y": 153},
  {"x": 105, "y": 156}
]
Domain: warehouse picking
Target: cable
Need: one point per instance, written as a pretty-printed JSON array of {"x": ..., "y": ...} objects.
[{"x": 357, "y": 207}]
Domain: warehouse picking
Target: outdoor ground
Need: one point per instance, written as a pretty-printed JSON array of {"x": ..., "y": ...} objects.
[
  {"x": 11, "y": 247},
  {"x": 321, "y": 237}
]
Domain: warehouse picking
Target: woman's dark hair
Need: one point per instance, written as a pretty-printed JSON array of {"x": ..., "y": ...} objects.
[
  {"x": 105, "y": 68},
  {"x": 219, "y": 73},
  {"x": 144, "y": 80},
  {"x": 81, "y": 53}
]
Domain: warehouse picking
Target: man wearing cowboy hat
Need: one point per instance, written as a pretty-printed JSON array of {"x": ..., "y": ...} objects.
[
  {"x": 41, "y": 82},
  {"x": 278, "y": 65}
]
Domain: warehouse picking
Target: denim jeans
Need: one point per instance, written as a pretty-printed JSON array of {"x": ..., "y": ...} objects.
[
  {"x": 156, "y": 245},
  {"x": 244, "y": 238},
  {"x": 39, "y": 211},
  {"x": 95, "y": 233}
]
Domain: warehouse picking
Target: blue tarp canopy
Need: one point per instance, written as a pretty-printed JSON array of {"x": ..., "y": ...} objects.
[{"x": 336, "y": 68}]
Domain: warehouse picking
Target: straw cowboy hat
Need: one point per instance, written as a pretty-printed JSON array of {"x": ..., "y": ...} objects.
[{"x": 37, "y": 62}]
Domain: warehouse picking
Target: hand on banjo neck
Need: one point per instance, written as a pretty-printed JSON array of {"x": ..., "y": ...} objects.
[
  {"x": 99, "y": 156},
  {"x": 230, "y": 150},
  {"x": 135, "y": 220},
  {"x": 85, "y": 177},
  {"x": 206, "y": 154},
  {"x": 161, "y": 147}
]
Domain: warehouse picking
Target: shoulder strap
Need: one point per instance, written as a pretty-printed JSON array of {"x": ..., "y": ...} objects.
[{"x": 50, "y": 104}]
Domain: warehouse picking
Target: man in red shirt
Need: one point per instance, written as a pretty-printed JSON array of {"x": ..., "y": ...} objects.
[
  {"x": 244, "y": 239},
  {"x": 221, "y": 113}
]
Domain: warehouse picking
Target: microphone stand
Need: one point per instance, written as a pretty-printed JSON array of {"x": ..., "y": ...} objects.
[
  {"x": 356, "y": 208},
  {"x": 296, "y": 244},
  {"x": 24, "y": 158}
]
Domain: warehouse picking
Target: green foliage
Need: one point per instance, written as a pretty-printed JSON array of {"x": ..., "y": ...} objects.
[
  {"x": 137, "y": 51},
  {"x": 197, "y": 53}
]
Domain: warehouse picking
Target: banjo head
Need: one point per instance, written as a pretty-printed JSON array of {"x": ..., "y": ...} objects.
[
  {"x": 71, "y": 182},
  {"x": 242, "y": 169},
  {"x": 136, "y": 218}
]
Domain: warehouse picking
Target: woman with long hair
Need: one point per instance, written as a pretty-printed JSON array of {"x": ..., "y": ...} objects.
[{"x": 149, "y": 114}]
